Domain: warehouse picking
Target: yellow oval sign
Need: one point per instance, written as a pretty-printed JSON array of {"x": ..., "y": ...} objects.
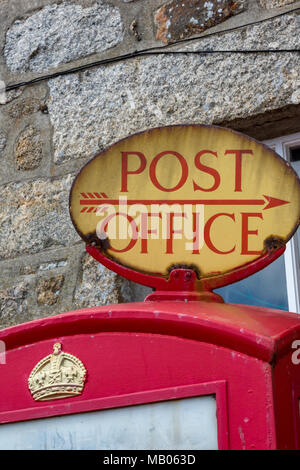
[{"x": 192, "y": 195}]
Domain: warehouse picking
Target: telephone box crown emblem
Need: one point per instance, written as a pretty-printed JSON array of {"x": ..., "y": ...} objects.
[{"x": 59, "y": 375}]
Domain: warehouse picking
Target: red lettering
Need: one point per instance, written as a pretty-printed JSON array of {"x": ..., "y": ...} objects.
[
  {"x": 207, "y": 238},
  {"x": 184, "y": 171},
  {"x": 246, "y": 232},
  {"x": 171, "y": 231},
  {"x": 206, "y": 169},
  {"x": 125, "y": 172},
  {"x": 238, "y": 166}
]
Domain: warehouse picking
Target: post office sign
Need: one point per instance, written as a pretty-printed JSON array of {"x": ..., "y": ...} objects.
[{"x": 192, "y": 195}]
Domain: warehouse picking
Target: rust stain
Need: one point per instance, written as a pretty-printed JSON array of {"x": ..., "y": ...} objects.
[{"x": 273, "y": 243}]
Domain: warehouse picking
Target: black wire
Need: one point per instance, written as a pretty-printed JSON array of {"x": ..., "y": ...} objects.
[
  {"x": 159, "y": 50},
  {"x": 72, "y": 70},
  {"x": 143, "y": 54}
]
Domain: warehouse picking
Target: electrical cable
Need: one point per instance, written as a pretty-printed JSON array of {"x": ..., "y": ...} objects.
[{"x": 160, "y": 50}]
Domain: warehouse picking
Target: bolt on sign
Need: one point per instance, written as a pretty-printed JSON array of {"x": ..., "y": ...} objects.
[{"x": 198, "y": 196}]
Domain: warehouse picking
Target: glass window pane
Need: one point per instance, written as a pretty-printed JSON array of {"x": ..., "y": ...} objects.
[
  {"x": 295, "y": 162},
  {"x": 187, "y": 423}
]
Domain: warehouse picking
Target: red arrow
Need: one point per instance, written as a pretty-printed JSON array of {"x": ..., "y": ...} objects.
[
  {"x": 274, "y": 202},
  {"x": 271, "y": 202}
]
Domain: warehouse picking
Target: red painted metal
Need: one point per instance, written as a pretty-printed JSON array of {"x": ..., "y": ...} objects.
[
  {"x": 184, "y": 280},
  {"x": 153, "y": 351}
]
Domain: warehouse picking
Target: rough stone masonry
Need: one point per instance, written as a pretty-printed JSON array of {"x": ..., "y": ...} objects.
[{"x": 49, "y": 130}]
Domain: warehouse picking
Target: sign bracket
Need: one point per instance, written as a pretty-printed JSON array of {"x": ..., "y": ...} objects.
[{"x": 183, "y": 284}]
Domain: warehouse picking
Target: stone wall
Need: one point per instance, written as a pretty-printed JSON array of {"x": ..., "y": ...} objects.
[{"x": 49, "y": 130}]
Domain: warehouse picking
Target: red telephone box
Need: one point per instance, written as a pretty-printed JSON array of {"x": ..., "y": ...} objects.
[
  {"x": 182, "y": 370},
  {"x": 165, "y": 351}
]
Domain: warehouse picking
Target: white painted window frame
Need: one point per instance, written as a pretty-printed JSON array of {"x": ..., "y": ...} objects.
[{"x": 281, "y": 145}]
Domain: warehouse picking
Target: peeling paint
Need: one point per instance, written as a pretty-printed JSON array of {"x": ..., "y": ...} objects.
[{"x": 242, "y": 437}]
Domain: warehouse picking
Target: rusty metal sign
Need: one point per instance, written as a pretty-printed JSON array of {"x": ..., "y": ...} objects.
[{"x": 194, "y": 196}]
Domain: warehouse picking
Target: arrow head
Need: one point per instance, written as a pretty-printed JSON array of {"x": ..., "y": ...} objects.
[{"x": 273, "y": 202}]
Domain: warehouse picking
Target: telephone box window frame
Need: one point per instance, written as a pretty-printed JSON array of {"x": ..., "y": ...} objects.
[{"x": 282, "y": 146}]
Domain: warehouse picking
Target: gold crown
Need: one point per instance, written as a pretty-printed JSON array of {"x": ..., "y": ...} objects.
[{"x": 58, "y": 375}]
